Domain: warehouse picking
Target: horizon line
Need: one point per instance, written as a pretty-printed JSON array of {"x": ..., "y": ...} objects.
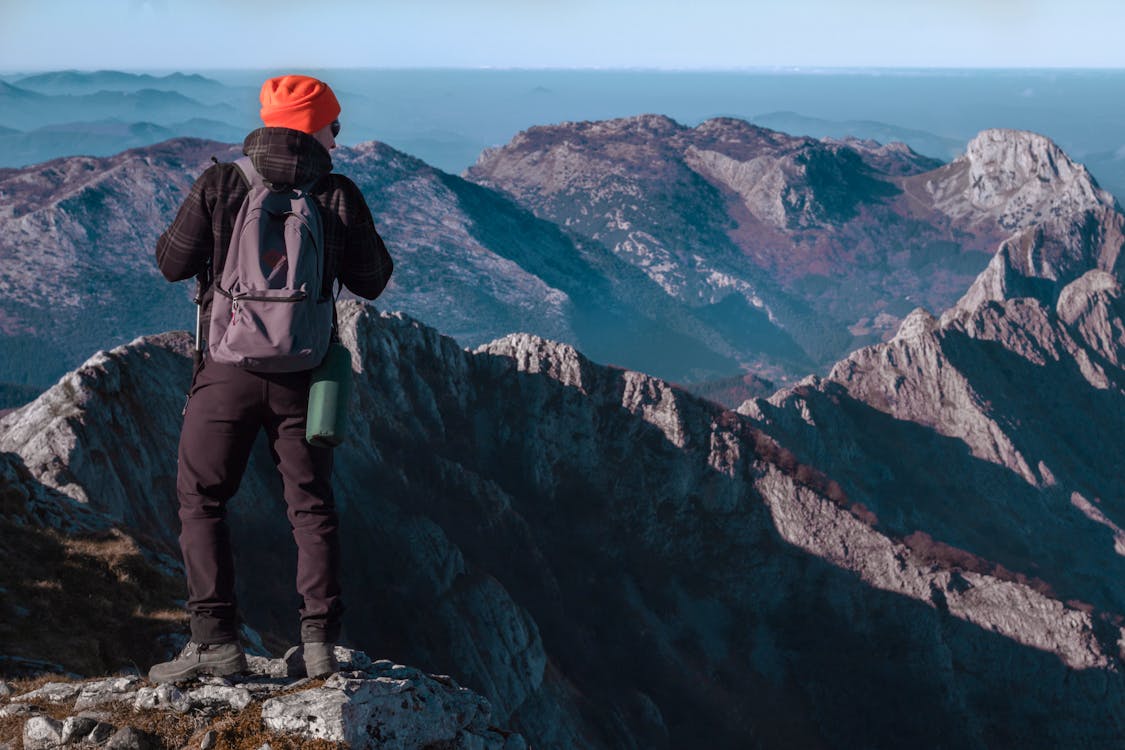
[{"x": 775, "y": 69}]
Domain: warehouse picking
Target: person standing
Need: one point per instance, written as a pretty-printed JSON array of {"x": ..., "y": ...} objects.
[{"x": 228, "y": 405}]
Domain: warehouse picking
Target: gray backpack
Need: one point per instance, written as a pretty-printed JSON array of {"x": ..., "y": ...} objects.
[{"x": 269, "y": 311}]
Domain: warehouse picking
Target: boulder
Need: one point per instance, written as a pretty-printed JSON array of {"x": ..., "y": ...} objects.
[
  {"x": 41, "y": 733},
  {"x": 368, "y": 710}
]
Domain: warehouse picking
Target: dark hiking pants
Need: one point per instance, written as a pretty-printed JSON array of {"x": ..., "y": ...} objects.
[{"x": 226, "y": 409}]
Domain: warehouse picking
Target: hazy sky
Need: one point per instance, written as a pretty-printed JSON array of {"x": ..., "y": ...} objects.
[{"x": 200, "y": 34}]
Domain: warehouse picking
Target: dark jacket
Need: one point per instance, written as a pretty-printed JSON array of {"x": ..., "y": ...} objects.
[{"x": 201, "y": 232}]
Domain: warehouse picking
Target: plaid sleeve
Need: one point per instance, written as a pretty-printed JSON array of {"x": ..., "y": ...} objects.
[
  {"x": 365, "y": 266},
  {"x": 185, "y": 247}
]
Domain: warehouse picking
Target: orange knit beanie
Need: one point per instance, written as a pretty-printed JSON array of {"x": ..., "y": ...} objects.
[{"x": 298, "y": 102}]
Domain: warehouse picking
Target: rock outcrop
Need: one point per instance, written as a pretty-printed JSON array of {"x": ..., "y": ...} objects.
[
  {"x": 1015, "y": 178},
  {"x": 75, "y": 553},
  {"x": 612, "y": 562},
  {"x": 1062, "y": 223},
  {"x": 365, "y": 705}
]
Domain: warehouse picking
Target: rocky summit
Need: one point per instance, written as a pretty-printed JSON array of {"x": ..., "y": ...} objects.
[
  {"x": 365, "y": 705},
  {"x": 612, "y": 562}
]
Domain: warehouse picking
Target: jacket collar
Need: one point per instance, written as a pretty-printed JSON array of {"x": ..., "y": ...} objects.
[{"x": 286, "y": 157}]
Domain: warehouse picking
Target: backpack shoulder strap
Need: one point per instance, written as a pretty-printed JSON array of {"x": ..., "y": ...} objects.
[{"x": 253, "y": 178}]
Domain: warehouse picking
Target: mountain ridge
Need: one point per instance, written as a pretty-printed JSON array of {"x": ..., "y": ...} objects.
[{"x": 1004, "y": 401}]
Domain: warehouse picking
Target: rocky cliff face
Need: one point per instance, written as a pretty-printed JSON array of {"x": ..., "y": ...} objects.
[
  {"x": 1015, "y": 178},
  {"x": 837, "y": 241},
  {"x": 612, "y": 562},
  {"x": 1003, "y": 418},
  {"x": 990, "y": 430}
]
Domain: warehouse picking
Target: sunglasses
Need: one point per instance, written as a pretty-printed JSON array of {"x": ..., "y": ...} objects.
[{"x": 335, "y": 128}]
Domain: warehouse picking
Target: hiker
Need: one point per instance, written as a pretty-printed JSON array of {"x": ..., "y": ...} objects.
[{"x": 228, "y": 404}]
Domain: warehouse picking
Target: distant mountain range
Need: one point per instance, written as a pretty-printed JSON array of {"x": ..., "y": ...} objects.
[
  {"x": 24, "y": 109},
  {"x": 102, "y": 138},
  {"x": 690, "y": 253},
  {"x": 81, "y": 83},
  {"x": 78, "y": 261},
  {"x": 928, "y": 144},
  {"x": 65, "y": 113},
  {"x": 448, "y": 117}
]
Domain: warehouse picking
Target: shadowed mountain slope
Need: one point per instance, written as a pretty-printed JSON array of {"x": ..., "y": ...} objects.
[
  {"x": 994, "y": 428},
  {"x": 611, "y": 561}
]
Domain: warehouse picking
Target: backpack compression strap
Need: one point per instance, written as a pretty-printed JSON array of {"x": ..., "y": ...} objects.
[{"x": 253, "y": 177}]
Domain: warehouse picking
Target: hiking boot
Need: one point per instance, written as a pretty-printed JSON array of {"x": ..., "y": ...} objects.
[
  {"x": 219, "y": 659},
  {"x": 320, "y": 659},
  {"x": 311, "y": 660}
]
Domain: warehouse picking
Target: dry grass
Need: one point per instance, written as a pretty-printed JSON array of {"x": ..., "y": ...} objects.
[
  {"x": 934, "y": 552},
  {"x": 91, "y": 604},
  {"x": 244, "y": 731},
  {"x": 11, "y": 729}
]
